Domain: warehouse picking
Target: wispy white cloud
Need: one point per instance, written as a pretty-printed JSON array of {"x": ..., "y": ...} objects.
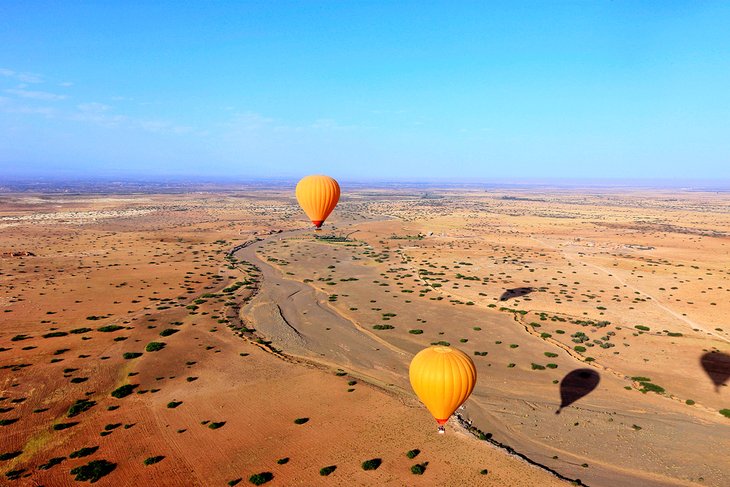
[
  {"x": 36, "y": 95},
  {"x": 19, "y": 76}
]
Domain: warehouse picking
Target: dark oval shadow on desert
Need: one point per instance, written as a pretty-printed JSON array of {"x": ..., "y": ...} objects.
[
  {"x": 717, "y": 366},
  {"x": 515, "y": 293},
  {"x": 576, "y": 385}
]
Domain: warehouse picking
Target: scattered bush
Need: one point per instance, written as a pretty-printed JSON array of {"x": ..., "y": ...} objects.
[
  {"x": 109, "y": 328},
  {"x": 153, "y": 460},
  {"x": 63, "y": 426},
  {"x": 83, "y": 452},
  {"x": 79, "y": 407},
  {"x": 168, "y": 331},
  {"x": 413, "y": 453},
  {"x": 173, "y": 404},
  {"x": 261, "y": 478},
  {"x": 93, "y": 471},
  {"x": 725, "y": 412},
  {"x": 371, "y": 464},
  {"x": 10, "y": 455},
  {"x": 301, "y": 420},
  {"x": 283, "y": 461},
  {"x": 51, "y": 463},
  {"x": 124, "y": 390},
  {"x": 131, "y": 355},
  {"x": 215, "y": 426},
  {"x": 325, "y": 471},
  {"x": 419, "y": 468},
  {"x": 154, "y": 346}
]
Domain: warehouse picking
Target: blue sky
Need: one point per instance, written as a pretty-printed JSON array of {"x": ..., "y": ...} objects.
[{"x": 376, "y": 90}]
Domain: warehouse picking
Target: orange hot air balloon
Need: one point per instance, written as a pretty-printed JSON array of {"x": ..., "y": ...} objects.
[
  {"x": 318, "y": 196},
  {"x": 443, "y": 378}
]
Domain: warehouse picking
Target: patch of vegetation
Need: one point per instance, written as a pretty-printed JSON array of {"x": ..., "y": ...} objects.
[
  {"x": 442, "y": 343},
  {"x": 415, "y": 332},
  {"x": 78, "y": 331},
  {"x": 124, "y": 390},
  {"x": 649, "y": 387},
  {"x": 725, "y": 412},
  {"x": 689, "y": 402},
  {"x": 173, "y": 404},
  {"x": 383, "y": 327},
  {"x": 579, "y": 348},
  {"x": 215, "y": 426},
  {"x": 371, "y": 464},
  {"x": 131, "y": 355},
  {"x": 551, "y": 354},
  {"x": 301, "y": 420},
  {"x": 413, "y": 453},
  {"x": 325, "y": 471},
  {"x": 8, "y": 422},
  {"x": 51, "y": 463},
  {"x": 83, "y": 452},
  {"x": 537, "y": 366},
  {"x": 153, "y": 460},
  {"x": 63, "y": 426},
  {"x": 261, "y": 478},
  {"x": 642, "y": 328},
  {"x": 93, "y": 471},
  {"x": 419, "y": 468},
  {"x": 109, "y": 328},
  {"x": 154, "y": 346},
  {"x": 168, "y": 331},
  {"x": 10, "y": 455},
  {"x": 79, "y": 407},
  {"x": 55, "y": 334},
  {"x": 283, "y": 461}
]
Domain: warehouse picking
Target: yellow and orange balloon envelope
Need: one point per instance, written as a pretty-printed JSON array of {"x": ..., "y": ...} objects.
[
  {"x": 318, "y": 196},
  {"x": 443, "y": 378}
]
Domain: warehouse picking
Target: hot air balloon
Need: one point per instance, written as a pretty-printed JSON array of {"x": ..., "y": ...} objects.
[
  {"x": 442, "y": 378},
  {"x": 318, "y": 196}
]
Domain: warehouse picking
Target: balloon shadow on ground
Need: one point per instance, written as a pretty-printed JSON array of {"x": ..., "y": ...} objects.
[
  {"x": 577, "y": 384},
  {"x": 515, "y": 293},
  {"x": 717, "y": 366}
]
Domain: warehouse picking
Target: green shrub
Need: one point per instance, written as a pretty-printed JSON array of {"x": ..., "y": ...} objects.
[
  {"x": 173, "y": 404},
  {"x": 55, "y": 334},
  {"x": 642, "y": 327},
  {"x": 415, "y": 332},
  {"x": 131, "y": 355},
  {"x": 215, "y": 426},
  {"x": 725, "y": 412},
  {"x": 419, "y": 468},
  {"x": 537, "y": 366},
  {"x": 689, "y": 402},
  {"x": 579, "y": 349},
  {"x": 10, "y": 455},
  {"x": 63, "y": 426},
  {"x": 79, "y": 407},
  {"x": 168, "y": 331},
  {"x": 325, "y": 471},
  {"x": 283, "y": 461},
  {"x": 649, "y": 387},
  {"x": 154, "y": 346},
  {"x": 261, "y": 478},
  {"x": 77, "y": 331},
  {"x": 641, "y": 379},
  {"x": 301, "y": 420},
  {"x": 124, "y": 390},
  {"x": 51, "y": 463},
  {"x": 371, "y": 464},
  {"x": 110, "y": 328},
  {"x": 83, "y": 452},
  {"x": 383, "y": 327},
  {"x": 93, "y": 471},
  {"x": 413, "y": 453},
  {"x": 153, "y": 460},
  {"x": 551, "y": 354}
]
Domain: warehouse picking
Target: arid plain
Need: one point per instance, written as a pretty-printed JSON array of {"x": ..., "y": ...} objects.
[{"x": 202, "y": 337}]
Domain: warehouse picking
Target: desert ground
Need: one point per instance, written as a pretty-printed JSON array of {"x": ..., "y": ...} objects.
[{"x": 202, "y": 336}]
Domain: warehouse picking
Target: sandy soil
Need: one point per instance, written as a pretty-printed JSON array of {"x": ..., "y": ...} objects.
[{"x": 436, "y": 265}]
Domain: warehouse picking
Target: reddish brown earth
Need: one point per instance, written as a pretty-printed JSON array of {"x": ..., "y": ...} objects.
[{"x": 438, "y": 261}]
